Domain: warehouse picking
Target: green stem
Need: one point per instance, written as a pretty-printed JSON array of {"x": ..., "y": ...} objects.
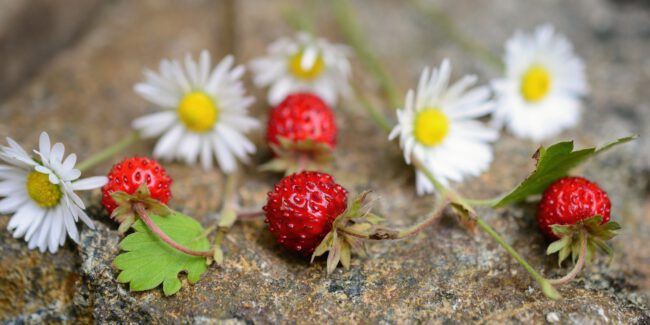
[
  {"x": 376, "y": 116},
  {"x": 390, "y": 234},
  {"x": 546, "y": 286},
  {"x": 435, "y": 216},
  {"x": 447, "y": 26},
  {"x": 483, "y": 202},
  {"x": 228, "y": 215},
  {"x": 579, "y": 264},
  {"x": 347, "y": 23},
  {"x": 424, "y": 170},
  {"x": 103, "y": 155},
  {"x": 301, "y": 20}
]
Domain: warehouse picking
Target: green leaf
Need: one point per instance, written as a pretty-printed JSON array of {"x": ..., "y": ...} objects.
[
  {"x": 563, "y": 254},
  {"x": 558, "y": 244},
  {"x": 148, "y": 261},
  {"x": 553, "y": 163},
  {"x": 334, "y": 255}
]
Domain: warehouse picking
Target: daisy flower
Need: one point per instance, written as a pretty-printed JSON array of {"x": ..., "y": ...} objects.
[
  {"x": 301, "y": 64},
  {"x": 540, "y": 93},
  {"x": 438, "y": 127},
  {"x": 203, "y": 112},
  {"x": 40, "y": 192}
]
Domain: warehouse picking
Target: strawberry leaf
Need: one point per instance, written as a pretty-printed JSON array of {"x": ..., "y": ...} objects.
[
  {"x": 571, "y": 236},
  {"x": 148, "y": 261},
  {"x": 339, "y": 243},
  {"x": 553, "y": 163},
  {"x": 293, "y": 156}
]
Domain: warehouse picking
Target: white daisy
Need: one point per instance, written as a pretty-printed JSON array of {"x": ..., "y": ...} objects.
[
  {"x": 39, "y": 191},
  {"x": 540, "y": 93},
  {"x": 204, "y": 112},
  {"x": 438, "y": 127},
  {"x": 303, "y": 63}
]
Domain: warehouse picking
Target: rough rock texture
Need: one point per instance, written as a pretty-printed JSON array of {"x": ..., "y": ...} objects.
[{"x": 444, "y": 275}]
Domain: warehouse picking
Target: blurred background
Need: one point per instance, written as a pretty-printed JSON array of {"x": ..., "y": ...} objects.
[{"x": 68, "y": 67}]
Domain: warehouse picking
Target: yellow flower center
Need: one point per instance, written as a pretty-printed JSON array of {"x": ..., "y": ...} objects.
[
  {"x": 310, "y": 73},
  {"x": 535, "y": 83},
  {"x": 198, "y": 111},
  {"x": 44, "y": 193},
  {"x": 431, "y": 127}
]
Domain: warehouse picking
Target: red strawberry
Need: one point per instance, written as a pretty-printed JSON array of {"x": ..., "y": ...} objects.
[
  {"x": 301, "y": 208},
  {"x": 130, "y": 173},
  {"x": 569, "y": 200},
  {"x": 302, "y": 117}
]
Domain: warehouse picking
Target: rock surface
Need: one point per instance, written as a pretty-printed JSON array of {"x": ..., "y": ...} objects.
[{"x": 444, "y": 275}]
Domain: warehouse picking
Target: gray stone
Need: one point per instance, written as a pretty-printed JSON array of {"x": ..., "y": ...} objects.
[{"x": 443, "y": 275}]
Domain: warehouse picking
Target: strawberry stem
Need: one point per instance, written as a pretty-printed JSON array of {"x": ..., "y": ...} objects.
[
  {"x": 578, "y": 266},
  {"x": 243, "y": 215},
  {"x": 142, "y": 212},
  {"x": 435, "y": 216},
  {"x": 108, "y": 152},
  {"x": 390, "y": 234}
]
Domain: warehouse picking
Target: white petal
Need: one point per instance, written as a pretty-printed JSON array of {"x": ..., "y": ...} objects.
[
  {"x": 280, "y": 90},
  {"x": 69, "y": 193},
  {"x": 21, "y": 220},
  {"x": 154, "y": 124},
  {"x": 204, "y": 67},
  {"x": 44, "y": 146},
  {"x": 89, "y": 183},
  {"x": 157, "y": 96},
  {"x": 166, "y": 146},
  {"x": 309, "y": 57},
  {"x": 224, "y": 157},
  {"x": 56, "y": 156},
  {"x": 84, "y": 217},
  {"x": 44, "y": 230},
  {"x": 70, "y": 226},
  {"x": 10, "y": 187},
  {"x": 69, "y": 162},
  {"x": 39, "y": 215},
  {"x": 11, "y": 203},
  {"x": 55, "y": 230}
]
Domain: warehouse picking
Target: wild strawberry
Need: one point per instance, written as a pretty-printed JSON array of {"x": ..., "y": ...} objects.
[
  {"x": 129, "y": 174},
  {"x": 569, "y": 200},
  {"x": 301, "y": 209},
  {"x": 302, "y": 117}
]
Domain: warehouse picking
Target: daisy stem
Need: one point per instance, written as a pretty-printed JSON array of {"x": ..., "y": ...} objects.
[
  {"x": 443, "y": 190},
  {"x": 579, "y": 264},
  {"x": 377, "y": 116},
  {"x": 108, "y": 152},
  {"x": 545, "y": 284},
  {"x": 142, "y": 212},
  {"x": 228, "y": 212},
  {"x": 446, "y": 25},
  {"x": 301, "y": 19},
  {"x": 350, "y": 28}
]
